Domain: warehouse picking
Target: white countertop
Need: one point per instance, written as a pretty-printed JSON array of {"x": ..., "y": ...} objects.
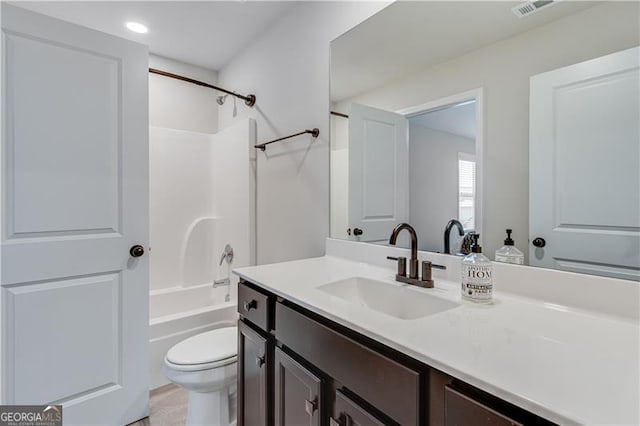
[{"x": 567, "y": 365}]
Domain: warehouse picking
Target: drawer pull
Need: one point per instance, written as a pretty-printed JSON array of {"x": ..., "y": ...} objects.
[
  {"x": 344, "y": 420},
  {"x": 310, "y": 406},
  {"x": 260, "y": 361},
  {"x": 250, "y": 305}
]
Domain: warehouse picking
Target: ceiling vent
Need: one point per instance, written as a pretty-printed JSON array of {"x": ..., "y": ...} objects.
[{"x": 531, "y": 7}]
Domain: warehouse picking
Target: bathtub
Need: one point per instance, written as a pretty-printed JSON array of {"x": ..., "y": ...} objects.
[{"x": 180, "y": 312}]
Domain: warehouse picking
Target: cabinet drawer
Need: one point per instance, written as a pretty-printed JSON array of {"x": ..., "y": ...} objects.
[
  {"x": 392, "y": 388},
  {"x": 461, "y": 410},
  {"x": 254, "y": 306},
  {"x": 349, "y": 413}
]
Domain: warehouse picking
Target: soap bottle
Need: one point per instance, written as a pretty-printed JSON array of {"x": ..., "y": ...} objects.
[
  {"x": 509, "y": 253},
  {"x": 477, "y": 284}
]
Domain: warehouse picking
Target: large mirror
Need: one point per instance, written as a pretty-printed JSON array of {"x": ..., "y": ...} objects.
[{"x": 487, "y": 116}]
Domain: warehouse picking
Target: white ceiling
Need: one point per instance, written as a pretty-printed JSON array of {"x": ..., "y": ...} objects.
[
  {"x": 458, "y": 119},
  {"x": 205, "y": 33},
  {"x": 411, "y": 35}
]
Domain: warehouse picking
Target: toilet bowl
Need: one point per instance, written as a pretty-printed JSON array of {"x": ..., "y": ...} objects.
[{"x": 206, "y": 365}]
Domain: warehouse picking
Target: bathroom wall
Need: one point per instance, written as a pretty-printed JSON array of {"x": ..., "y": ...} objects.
[
  {"x": 180, "y": 105},
  {"x": 288, "y": 70},
  {"x": 503, "y": 70},
  {"x": 433, "y": 175}
]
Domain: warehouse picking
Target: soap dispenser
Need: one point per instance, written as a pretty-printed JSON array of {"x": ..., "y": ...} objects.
[
  {"x": 509, "y": 253},
  {"x": 477, "y": 270}
]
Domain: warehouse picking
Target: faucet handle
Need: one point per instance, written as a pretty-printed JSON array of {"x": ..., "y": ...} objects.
[
  {"x": 402, "y": 265},
  {"x": 227, "y": 255},
  {"x": 426, "y": 270},
  {"x": 426, "y": 273}
]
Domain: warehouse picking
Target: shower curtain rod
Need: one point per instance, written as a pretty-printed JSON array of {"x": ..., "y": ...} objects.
[
  {"x": 339, "y": 114},
  {"x": 315, "y": 132},
  {"x": 249, "y": 100}
]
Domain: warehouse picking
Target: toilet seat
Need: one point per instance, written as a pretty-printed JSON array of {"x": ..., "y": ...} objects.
[
  {"x": 212, "y": 349},
  {"x": 199, "y": 367}
]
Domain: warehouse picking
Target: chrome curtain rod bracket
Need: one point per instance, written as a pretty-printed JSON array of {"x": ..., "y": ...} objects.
[
  {"x": 315, "y": 132},
  {"x": 249, "y": 100}
]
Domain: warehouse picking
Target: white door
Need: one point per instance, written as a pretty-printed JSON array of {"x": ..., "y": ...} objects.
[
  {"x": 585, "y": 167},
  {"x": 75, "y": 200},
  {"x": 378, "y": 172}
]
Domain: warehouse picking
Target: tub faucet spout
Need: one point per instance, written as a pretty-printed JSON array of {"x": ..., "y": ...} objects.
[{"x": 223, "y": 281}]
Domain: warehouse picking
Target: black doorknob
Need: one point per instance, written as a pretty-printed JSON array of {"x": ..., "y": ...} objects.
[
  {"x": 136, "y": 251},
  {"x": 357, "y": 232},
  {"x": 539, "y": 242}
]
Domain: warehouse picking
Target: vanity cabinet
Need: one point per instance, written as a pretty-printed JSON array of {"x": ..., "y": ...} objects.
[
  {"x": 389, "y": 386},
  {"x": 297, "y": 368}
]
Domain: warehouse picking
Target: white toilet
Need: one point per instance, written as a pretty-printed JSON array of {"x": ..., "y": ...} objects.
[{"x": 206, "y": 365}]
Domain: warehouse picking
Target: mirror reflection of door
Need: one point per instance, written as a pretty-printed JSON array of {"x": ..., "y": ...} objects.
[
  {"x": 378, "y": 172},
  {"x": 417, "y": 167},
  {"x": 585, "y": 167}
]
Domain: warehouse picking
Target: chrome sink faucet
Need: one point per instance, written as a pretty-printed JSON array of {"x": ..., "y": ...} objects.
[{"x": 401, "y": 274}]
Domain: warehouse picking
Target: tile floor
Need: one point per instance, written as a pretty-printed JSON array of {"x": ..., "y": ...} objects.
[{"x": 167, "y": 407}]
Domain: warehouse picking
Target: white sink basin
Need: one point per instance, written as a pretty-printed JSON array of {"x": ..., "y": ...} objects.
[{"x": 396, "y": 300}]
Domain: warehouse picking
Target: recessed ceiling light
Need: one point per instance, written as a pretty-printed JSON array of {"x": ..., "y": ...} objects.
[{"x": 137, "y": 27}]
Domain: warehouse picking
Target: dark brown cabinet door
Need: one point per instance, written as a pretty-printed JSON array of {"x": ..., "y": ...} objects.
[
  {"x": 298, "y": 393},
  {"x": 254, "y": 362},
  {"x": 349, "y": 413},
  {"x": 461, "y": 410}
]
